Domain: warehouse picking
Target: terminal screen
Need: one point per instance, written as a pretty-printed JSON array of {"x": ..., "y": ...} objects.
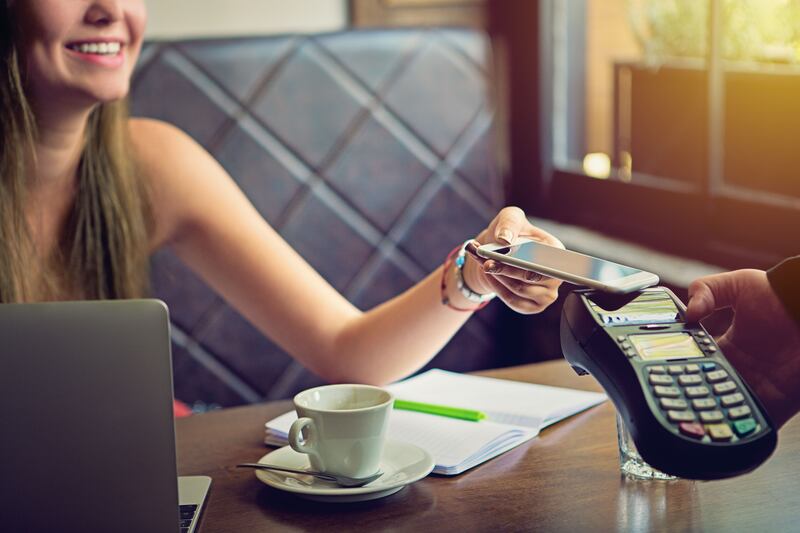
[
  {"x": 655, "y": 307},
  {"x": 657, "y": 346}
]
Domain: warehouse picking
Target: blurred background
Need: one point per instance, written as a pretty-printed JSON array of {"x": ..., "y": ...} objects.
[{"x": 377, "y": 134}]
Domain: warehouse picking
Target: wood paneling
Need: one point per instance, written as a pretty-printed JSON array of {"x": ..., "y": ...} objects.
[{"x": 388, "y": 13}]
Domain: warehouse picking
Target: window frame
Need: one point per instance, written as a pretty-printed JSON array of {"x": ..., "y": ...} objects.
[{"x": 716, "y": 222}]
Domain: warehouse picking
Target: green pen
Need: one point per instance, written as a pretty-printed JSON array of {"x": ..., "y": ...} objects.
[{"x": 441, "y": 410}]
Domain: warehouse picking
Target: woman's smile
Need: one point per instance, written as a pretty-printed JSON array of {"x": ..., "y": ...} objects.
[
  {"x": 82, "y": 48},
  {"x": 108, "y": 53}
]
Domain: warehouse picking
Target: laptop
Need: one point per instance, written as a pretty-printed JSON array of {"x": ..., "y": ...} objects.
[{"x": 87, "y": 439}]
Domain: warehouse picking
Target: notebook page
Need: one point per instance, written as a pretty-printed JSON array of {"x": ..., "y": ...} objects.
[
  {"x": 516, "y": 412},
  {"x": 451, "y": 441},
  {"x": 505, "y": 402},
  {"x": 455, "y": 445}
]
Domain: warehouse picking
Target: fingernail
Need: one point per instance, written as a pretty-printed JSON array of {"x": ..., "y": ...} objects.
[
  {"x": 490, "y": 267},
  {"x": 532, "y": 276},
  {"x": 505, "y": 235}
]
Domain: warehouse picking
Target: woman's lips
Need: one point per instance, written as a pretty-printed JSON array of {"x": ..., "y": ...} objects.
[{"x": 108, "y": 54}]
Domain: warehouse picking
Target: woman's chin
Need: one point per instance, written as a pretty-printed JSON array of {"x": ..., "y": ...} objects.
[
  {"x": 103, "y": 95},
  {"x": 111, "y": 94}
]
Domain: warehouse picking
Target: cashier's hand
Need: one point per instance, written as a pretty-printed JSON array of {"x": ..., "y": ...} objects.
[
  {"x": 522, "y": 290},
  {"x": 762, "y": 343}
]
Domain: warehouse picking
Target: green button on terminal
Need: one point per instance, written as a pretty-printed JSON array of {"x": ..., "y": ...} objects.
[{"x": 744, "y": 427}]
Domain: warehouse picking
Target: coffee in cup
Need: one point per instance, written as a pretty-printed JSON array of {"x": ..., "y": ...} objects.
[{"x": 342, "y": 428}]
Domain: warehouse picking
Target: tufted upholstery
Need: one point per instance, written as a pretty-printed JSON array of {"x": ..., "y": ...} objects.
[{"x": 369, "y": 151}]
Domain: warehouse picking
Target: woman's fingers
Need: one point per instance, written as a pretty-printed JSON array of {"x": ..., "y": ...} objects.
[
  {"x": 532, "y": 291},
  {"x": 508, "y": 224},
  {"x": 522, "y": 290},
  {"x": 490, "y": 266},
  {"x": 523, "y": 297}
]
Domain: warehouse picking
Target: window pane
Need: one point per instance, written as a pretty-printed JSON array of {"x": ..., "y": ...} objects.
[
  {"x": 630, "y": 88},
  {"x": 631, "y": 96},
  {"x": 761, "y": 47}
]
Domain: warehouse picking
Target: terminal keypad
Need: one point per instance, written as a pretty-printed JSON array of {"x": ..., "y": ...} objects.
[
  {"x": 661, "y": 379},
  {"x": 701, "y": 401},
  {"x": 690, "y": 379}
]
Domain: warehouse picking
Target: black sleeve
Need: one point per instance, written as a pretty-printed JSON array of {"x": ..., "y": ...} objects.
[{"x": 785, "y": 280}]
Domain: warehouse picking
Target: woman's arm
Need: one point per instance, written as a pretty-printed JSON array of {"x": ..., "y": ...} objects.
[{"x": 207, "y": 220}]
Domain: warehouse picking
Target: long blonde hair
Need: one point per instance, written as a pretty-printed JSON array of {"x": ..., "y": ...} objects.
[{"x": 103, "y": 246}]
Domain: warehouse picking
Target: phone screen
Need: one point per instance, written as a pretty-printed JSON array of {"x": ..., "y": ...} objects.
[
  {"x": 566, "y": 261},
  {"x": 648, "y": 308}
]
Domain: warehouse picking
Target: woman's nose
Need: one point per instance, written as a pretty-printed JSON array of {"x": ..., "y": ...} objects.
[{"x": 103, "y": 12}]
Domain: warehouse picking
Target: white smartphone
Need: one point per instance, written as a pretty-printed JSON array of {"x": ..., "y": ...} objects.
[{"x": 570, "y": 266}]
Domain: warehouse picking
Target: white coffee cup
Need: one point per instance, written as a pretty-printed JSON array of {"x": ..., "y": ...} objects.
[{"x": 342, "y": 428}]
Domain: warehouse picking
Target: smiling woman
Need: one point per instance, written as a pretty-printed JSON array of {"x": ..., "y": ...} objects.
[
  {"x": 64, "y": 44},
  {"x": 70, "y": 245},
  {"x": 86, "y": 194}
]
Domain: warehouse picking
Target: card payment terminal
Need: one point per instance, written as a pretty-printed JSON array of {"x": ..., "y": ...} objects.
[{"x": 688, "y": 411}]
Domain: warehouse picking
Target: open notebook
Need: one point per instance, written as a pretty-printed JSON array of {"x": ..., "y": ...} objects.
[{"x": 516, "y": 412}]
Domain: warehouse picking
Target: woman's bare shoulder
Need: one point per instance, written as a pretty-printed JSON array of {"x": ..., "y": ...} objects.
[
  {"x": 152, "y": 139},
  {"x": 167, "y": 158}
]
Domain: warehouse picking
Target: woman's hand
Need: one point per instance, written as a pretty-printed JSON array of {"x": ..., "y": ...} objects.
[{"x": 522, "y": 290}]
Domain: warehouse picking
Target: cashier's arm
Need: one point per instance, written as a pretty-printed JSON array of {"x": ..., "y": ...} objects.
[{"x": 205, "y": 218}]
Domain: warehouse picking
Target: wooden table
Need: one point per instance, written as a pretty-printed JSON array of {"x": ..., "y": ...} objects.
[{"x": 567, "y": 479}]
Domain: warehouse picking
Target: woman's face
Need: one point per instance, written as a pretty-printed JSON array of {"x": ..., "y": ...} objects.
[{"x": 79, "y": 50}]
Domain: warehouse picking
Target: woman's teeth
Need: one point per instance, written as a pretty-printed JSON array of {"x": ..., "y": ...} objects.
[{"x": 109, "y": 49}]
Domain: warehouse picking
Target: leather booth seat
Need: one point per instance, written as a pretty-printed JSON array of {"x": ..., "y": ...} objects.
[{"x": 369, "y": 151}]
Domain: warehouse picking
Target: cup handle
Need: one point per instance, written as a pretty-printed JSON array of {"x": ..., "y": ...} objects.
[{"x": 301, "y": 445}]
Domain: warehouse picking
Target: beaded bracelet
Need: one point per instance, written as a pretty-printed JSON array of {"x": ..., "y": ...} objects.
[{"x": 457, "y": 258}]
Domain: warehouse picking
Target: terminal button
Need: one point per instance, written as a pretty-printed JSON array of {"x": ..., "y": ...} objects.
[
  {"x": 692, "y": 369},
  {"x": 621, "y": 338},
  {"x": 711, "y": 416},
  {"x": 661, "y": 379},
  {"x": 711, "y": 349},
  {"x": 701, "y": 334},
  {"x": 690, "y": 379},
  {"x": 704, "y": 404},
  {"x": 692, "y": 429},
  {"x": 719, "y": 432},
  {"x": 680, "y": 416},
  {"x": 707, "y": 367},
  {"x": 725, "y": 387},
  {"x": 656, "y": 369},
  {"x": 670, "y": 403},
  {"x": 667, "y": 392},
  {"x": 675, "y": 369},
  {"x": 732, "y": 399},
  {"x": 717, "y": 375},
  {"x": 744, "y": 427},
  {"x": 739, "y": 412},
  {"x": 697, "y": 392}
]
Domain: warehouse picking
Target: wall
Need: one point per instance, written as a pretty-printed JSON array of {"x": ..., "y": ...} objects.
[
  {"x": 174, "y": 19},
  {"x": 608, "y": 39}
]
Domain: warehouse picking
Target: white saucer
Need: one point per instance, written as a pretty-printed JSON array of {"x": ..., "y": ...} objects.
[{"x": 402, "y": 463}]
